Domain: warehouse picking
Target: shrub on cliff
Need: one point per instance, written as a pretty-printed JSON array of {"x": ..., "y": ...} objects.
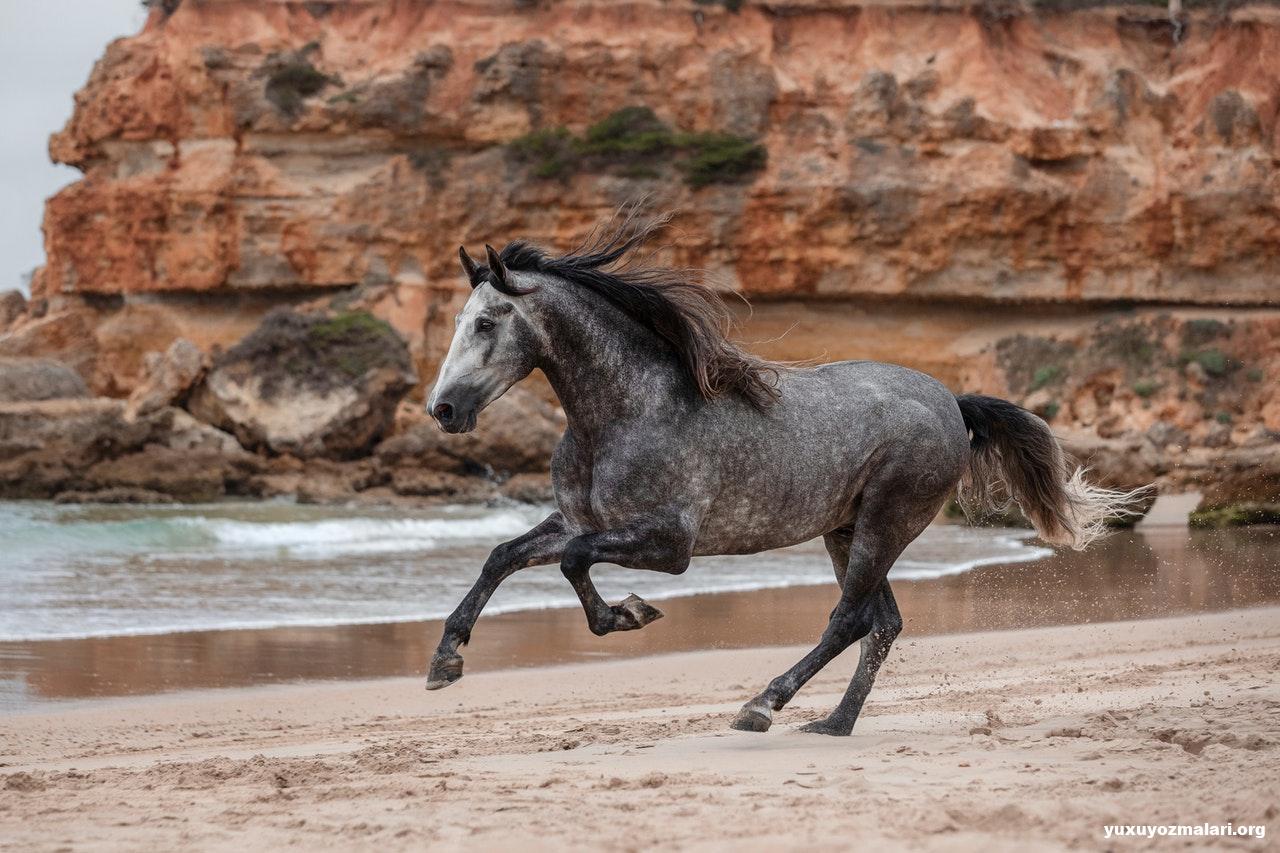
[
  {"x": 634, "y": 142},
  {"x": 292, "y": 79},
  {"x": 734, "y": 6},
  {"x": 549, "y": 152},
  {"x": 718, "y": 158}
]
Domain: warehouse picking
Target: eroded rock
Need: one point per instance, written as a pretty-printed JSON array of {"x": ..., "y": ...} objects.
[
  {"x": 24, "y": 379},
  {"x": 308, "y": 385},
  {"x": 515, "y": 434},
  {"x": 169, "y": 377}
]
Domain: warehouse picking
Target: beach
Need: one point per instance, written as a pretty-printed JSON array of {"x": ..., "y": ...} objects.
[
  {"x": 1032, "y": 739},
  {"x": 90, "y": 623},
  {"x": 1034, "y": 698}
]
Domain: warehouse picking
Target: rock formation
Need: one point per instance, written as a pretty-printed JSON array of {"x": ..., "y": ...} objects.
[
  {"x": 308, "y": 384},
  {"x": 998, "y": 193},
  {"x": 23, "y": 379}
]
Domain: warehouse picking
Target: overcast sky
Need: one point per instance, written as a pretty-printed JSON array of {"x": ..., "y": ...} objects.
[{"x": 47, "y": 49}]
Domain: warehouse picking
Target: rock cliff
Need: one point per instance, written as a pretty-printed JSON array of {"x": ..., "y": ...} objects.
[{"x": 922, "y": 183}]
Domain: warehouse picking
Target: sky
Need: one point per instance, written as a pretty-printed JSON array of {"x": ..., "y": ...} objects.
[{"x": 47, "y": 50}]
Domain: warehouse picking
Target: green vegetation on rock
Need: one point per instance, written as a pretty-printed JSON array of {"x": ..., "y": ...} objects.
[
  {"x": 1046, "y": 375},
  {"x": 734, "y": 6},
  {"x": 1198, "y": 332},
  {"x": 318, "y": 351},
  {"x": 1214, "y": 361},
  {"x": 1236, "y": 515},
  {"x": 293, "y": 81},
  {"x": 1145, "y": 388},
  {"x": 715, "y": 158},
  {"x": 550, "y": 152},
  {"x": 635, "y": 143}
]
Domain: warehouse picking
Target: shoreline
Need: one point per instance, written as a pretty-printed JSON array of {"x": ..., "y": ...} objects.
[
  {"x": 1132, "y": 575},
  {"x": 996, "y": 739}
]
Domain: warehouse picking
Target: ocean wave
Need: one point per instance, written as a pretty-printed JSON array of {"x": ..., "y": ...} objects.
[
  {"x": 353, "y": 536},
  {"x": 140, "y": 571}
]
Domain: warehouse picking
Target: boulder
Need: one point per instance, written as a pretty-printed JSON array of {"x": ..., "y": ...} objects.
[
  {"x": 516, "y": 434},
  {"x": 65, "y": 333},
  {"x": 126, "y": 339},
  {"x": 187, "y": 476},
  {"x": 77, "y": 431},
  {"x": 423, "y": 483},
  {"x": 89, "y": 446},
  {"x": 12, "y": 306},
  {"x": 308, "y": 384},
  {"x": 178, "y": 430},
  {"x": 25, "y": 379},
  {"x": 169, "y": 376},
  {"x": 1246, "y": 477}
]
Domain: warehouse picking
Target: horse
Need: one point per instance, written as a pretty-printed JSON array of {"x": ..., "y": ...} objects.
[{"x": 680, "y": 444}]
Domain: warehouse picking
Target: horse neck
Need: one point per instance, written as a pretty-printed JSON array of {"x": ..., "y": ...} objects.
[{"x": 606, "y": 368}]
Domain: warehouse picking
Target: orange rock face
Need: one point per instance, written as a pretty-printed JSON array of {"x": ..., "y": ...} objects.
[{"x": 920, "y": 158}]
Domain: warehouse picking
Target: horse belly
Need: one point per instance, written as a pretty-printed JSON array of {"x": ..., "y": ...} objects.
[{"x": 747, "y": 523}]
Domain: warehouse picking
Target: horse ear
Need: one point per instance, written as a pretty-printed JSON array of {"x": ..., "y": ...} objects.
[
  {"x": 470, "y": 267},
  {"x": 497, "y": 270}
]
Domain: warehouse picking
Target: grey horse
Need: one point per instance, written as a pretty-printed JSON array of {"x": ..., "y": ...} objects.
[{"x": 680, "y": 444}]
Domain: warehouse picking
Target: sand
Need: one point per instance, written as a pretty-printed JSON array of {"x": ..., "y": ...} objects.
[{"x": 1016, "y": 740}]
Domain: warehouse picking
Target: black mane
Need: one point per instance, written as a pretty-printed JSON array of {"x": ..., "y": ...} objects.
[{"x": 674, "y": 304}]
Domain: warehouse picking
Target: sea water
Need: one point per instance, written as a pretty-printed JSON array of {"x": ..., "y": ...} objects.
[{"x": 72, "y": 571}]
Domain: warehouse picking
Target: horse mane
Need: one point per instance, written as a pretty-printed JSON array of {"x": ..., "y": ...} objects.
[{"x": 674, "y": 304}]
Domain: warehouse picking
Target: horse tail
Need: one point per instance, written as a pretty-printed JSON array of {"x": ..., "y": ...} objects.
[{"x": 1015, "y": 457}]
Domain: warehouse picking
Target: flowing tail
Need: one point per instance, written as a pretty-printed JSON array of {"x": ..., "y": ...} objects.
[{"x": 1014, "y": 456}]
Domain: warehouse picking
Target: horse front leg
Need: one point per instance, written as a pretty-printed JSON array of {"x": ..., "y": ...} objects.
[
  {"x": 542, "y": 545},
  {"x": 656, "y": 549}
]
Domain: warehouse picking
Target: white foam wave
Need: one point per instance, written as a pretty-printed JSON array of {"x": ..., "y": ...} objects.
[
  {"x": 353, "y": 536},
  {"x": 155, "y": 571}
]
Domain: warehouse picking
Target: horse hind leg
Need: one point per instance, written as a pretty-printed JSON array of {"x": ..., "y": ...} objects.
[
  {"x": 875, "y": 648},
  {"x": 872, "y": 550},
  {"x": 892, "y": 512}
]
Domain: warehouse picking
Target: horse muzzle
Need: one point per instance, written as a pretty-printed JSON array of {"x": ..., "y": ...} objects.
[{"x": 455, "y": 416}]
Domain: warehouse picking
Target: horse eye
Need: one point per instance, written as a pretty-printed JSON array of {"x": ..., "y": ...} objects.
[{"x": 484, "y": 324}]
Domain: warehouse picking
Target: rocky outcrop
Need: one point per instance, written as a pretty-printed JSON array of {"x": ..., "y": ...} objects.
[
  {"x": 12, "y": 306},
  {"x": 1243, "y": 489},
  {"x": 1005, "y": 196},
  {"x": 169, "y": 378},
  {"x": 1178, "y": 398},
  {"x": 89, "y": 445},
  {"x": 929, "y": 152},
  {"x": 516, "y": 434},
  {"x": 308, "y": 385},
  {"x": 38, "y": 379}
]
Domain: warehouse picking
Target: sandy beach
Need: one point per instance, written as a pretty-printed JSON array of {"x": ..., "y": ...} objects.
[{"x": 1029, "y": 739}]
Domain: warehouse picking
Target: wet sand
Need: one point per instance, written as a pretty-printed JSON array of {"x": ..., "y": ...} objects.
[
  {"x": 1131, "y": 575},
  {"x": 999, "y": 741}
]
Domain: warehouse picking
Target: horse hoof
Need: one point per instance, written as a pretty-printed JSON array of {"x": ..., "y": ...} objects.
[
  {"x": 634, "y": 612},
  {"x": 754, "y": 717},
  {"x": 826, "y": 727},
  {"x": 444, "y": 672}
]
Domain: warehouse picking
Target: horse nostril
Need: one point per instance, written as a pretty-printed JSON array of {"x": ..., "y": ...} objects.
[{"x": 443, "y": 412}]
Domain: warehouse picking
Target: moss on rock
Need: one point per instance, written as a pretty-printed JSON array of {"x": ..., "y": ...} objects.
[
  {"x": 1236, "y": 515},
  {"x": 316, "y": 351}
]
